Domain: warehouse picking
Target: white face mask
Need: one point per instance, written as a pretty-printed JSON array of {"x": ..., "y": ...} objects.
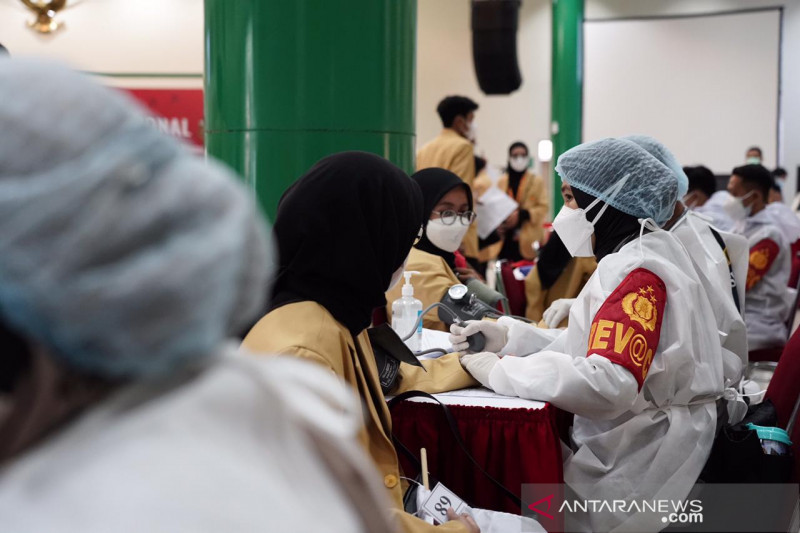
[
  {"x": 472, "y": 131},
  {"x": 447, "y": 238},
  {"x": 519, "y": 163},
  {"x": 753, "y": 160},
  {"x": 575, "y": 230},
  {"x": 734, "y": 207}
]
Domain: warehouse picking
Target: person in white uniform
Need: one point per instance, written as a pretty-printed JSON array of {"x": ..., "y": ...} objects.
[
  {"x": 640, "y": 364},
  {"x": 720, "y": 262},
  {"x": 127, "y": 263},
  {"x": 782, "y": 215},
  {"x": 768, "y": 299}
]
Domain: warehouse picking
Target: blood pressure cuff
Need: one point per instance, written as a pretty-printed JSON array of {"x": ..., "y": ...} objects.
[
  {"x": 627, "y": 327},
  {"x": 389, "y": 352}
]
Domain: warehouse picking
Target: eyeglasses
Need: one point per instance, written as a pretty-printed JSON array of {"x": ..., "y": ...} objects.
[{"x": 449, "y": 217}]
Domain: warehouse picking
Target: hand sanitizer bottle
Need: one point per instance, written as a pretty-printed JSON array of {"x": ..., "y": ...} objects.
[{"x": 405, "y": 311}]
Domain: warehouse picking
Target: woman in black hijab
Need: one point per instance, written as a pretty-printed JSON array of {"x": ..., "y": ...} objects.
[
  {"x": 344, "y": 231},
  {"x": 447, "y": 213},
  {"x": 525, "y": 226},
  {"x": 616, "y": 228},
  {"x": 435, "y": 184},
  {"x": 556, "y": 275}
]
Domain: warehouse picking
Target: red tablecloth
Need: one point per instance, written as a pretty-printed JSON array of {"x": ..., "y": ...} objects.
[{"x": 514, "y": 446}]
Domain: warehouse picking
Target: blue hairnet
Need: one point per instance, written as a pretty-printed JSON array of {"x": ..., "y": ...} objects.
[
  {"x": 650, "y": 190},
  {"x": 122, "y": 253},
  {"x": 662, "y": 153}
]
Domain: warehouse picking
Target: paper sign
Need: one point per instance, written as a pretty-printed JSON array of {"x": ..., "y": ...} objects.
[
  {"x": 440, "y": 500},
  {"x": 493, "y": 207}
]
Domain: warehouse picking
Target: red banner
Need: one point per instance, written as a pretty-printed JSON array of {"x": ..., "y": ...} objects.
[{"x": 178, "y": 112}]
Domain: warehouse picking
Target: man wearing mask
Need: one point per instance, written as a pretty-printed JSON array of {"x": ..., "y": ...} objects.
[
  {"x": 767, "y": 298},
  {"x": 453, "y": 150},
  {"x": 753, "y": 156}
]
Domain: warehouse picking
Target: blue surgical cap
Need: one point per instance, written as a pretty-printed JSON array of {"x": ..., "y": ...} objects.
[
  {"x": 650, "y": 189},
  {"x": 123, "y": 254},
  {"x": 662, "y": 153}
]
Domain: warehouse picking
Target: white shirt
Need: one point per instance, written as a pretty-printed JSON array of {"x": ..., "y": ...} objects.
[{"x": 234, "y": 450}]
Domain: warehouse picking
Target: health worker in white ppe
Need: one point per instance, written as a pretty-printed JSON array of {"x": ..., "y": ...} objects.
[
  {"x": 640, "y": 364},
  {"x": 704, "y": 198},
  {"x": 768, "y": 299},
  {"x": 720, "y": 262}
]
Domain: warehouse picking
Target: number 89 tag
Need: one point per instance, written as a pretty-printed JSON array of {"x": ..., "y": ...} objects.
[{"x": 440, "y": 500}]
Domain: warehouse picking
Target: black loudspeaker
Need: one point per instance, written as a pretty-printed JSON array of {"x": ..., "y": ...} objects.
[{"x": 494, "y": 45}]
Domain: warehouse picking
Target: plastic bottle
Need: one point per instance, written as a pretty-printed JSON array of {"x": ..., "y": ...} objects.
[{"x": 405, "y": 311}]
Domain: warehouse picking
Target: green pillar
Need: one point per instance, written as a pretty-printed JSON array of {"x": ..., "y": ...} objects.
[
  {"x": 567, "y": 84},
  {"x": 288, "y": 82}
]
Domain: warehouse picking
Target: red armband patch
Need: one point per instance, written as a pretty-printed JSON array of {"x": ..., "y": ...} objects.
[
  {"x": 762, "y": 255},
  {"x": 627, "y": 327}
]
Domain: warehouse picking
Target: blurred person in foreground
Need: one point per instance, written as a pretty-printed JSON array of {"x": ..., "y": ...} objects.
[{"x": 127, "y": 265}]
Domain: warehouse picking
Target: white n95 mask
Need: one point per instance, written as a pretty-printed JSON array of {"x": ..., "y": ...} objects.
[
  {"x": 575, "y": 231},
  {"x": 519, "y": 164},
  {"x": 444, "y": 237},
  {"x": 734, "y": 207},
  {"x": 573, "y": 228}
]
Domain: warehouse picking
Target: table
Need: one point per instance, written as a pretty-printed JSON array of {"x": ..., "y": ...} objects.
[{"x": 516, "y": 441}]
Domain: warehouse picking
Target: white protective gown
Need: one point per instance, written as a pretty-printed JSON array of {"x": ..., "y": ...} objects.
[
  {"x": 768, "y": 298},
  {"x": 786, "y": 220},
  {"x": 247, "y": 446},
  {"x": 630, "y": 443},
  {"x": 713, "y": 209},
  {"x": 720, "y": 278}
]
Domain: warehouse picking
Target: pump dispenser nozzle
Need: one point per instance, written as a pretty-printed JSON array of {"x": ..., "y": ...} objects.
[{"x": 408, "y": 289}]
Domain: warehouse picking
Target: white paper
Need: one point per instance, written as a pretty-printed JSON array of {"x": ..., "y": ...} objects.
[
  {"x": 482, "y": 397},
  {"x": 440, "y": 500},
  {"x": 435, "y": 339},
  {"x": 493, "y": 207}
]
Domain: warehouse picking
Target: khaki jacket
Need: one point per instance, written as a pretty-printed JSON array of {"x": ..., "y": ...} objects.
[
  {"x": 568, "y": 285},
  {"x": 453, "y": 152},
  {"x": 430, "y": 285},
  {"x": 308, "y": 330},
  {"x": 532, "y": 196}
]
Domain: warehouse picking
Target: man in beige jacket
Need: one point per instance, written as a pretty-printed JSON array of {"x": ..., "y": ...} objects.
[{"x": 453, "y": 150}]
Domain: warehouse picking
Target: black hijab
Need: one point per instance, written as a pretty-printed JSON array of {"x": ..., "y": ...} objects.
[
  {"x": 342, "y": 230},
  {"x": 514, "y": 177},
  {"x": 614, "y": 227},
  {"x": 434, "y": 184},
  {"x": 552, "y": 260}
]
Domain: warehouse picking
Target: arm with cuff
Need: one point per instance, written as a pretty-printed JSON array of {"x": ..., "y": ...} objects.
[
  {"x": 622, "y": 341},
  {"x": 592, "y": 387}
]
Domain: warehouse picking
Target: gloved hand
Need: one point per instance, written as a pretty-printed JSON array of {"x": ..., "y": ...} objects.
[
  {"x": 480, "y": 365},
  {"x": 558, "y": 311},
  {"x": 496, "y": 335}
]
